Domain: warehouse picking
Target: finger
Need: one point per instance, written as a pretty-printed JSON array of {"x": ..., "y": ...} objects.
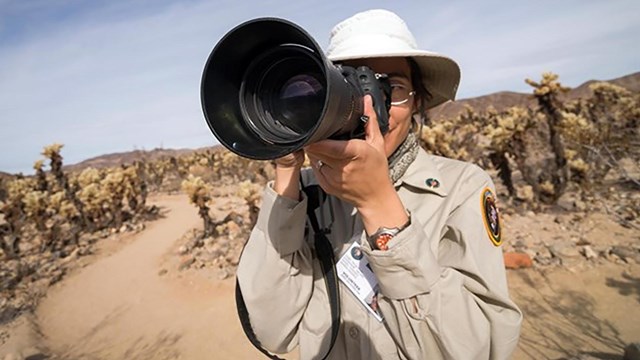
[
  {"x": 322, "y": 172},
  {"x": 334, "y": 150},
  {"x": 372, "y": 129}
]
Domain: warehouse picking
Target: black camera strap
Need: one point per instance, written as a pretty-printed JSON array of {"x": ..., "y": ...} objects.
[{"x": 324, "y": 252}]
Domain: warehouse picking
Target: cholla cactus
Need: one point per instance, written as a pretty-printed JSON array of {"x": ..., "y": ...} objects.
[
  {"x": 547, "y": 92},
  {"x": 548, "y": 87},
  {"x": 250, "y": 192},
  {"x": 455, "y": 138},
  {"x": 599, "y": 131},
  {"x": 140, "y": 181},
  {"x": 35, "y": 206},
  {"x": 60, "y": 211},
  {"x": 132, "y": 185},
  {"x": 40, "y": 176},
  {"x": 14, "y": 215},
  {"x": 52, "y": 152},
  {"x": 200, "y": 195},
  {"x": 113, "y": 186},
  {"x": 506, "y": 133}
]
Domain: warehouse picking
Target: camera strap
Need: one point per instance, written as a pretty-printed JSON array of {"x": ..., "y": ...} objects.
[{"x": 324, "y": 252}]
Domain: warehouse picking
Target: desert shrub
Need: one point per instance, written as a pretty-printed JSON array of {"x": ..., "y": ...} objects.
[{"x": 551, "y": 146}]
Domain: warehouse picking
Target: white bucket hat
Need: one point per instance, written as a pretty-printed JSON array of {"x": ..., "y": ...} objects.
[{"x": 381, "y": 33}]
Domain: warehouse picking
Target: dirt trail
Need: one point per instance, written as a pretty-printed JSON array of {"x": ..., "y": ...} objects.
[
  {"x": 120, "y": 307},
  {"x": 593, "y": 312}
]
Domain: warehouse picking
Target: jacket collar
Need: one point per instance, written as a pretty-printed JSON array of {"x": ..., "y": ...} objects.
[{"x": 423, "y": 173}]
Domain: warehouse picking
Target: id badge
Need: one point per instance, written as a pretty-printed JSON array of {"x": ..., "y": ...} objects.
[{"x": 355, "y": 272}]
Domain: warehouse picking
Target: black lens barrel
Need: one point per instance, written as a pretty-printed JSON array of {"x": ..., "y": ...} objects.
[{"x": 268, "y": 90}]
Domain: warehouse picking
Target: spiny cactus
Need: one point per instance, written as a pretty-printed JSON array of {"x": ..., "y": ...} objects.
[
  {"x": 199, "y": 194},
  {"x": 547, "y": 93}
]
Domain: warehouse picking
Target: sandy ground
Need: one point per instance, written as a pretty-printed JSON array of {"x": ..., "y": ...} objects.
[
  {"x": 121, "y": 307},
  {"x": 128, "y": 303}
]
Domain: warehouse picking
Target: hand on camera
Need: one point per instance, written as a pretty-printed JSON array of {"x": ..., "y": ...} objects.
[
  {"x": 291, "y": 161},
  {"x": 288, "y": 174},
  {"x": 355, "y": 170}
]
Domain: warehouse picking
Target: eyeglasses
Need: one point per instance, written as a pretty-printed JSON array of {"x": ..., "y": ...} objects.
[{"x": 400, "y": 94}]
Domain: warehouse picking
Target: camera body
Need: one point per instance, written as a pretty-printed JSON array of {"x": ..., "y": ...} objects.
[
  {"x": 365, "y": 81},
  {"x": 268, "y": 90}
]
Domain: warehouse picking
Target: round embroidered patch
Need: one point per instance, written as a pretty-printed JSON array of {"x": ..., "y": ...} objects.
[
  {"x": 356, "y": 253},
  {"x": 490, "y": 216}
]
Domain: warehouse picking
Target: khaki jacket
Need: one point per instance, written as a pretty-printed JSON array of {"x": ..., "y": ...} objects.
[{"x": 443, "y": 289}]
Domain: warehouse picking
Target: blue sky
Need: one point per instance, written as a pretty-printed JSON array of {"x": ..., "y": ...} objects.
[{"x": 109, "y": 76}]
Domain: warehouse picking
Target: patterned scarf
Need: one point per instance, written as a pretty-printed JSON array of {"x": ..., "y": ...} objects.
[{"x": 404, "y": 155}]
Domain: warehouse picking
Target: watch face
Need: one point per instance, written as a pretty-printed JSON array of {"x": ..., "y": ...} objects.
[{"x": 382, "y": 240}]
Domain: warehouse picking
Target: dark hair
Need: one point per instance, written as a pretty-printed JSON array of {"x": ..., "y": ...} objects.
[{"x": 422, "y": 93}]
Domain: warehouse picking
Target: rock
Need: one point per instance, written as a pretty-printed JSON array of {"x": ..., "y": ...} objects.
[
  {"x": 223, "y": 274},
  {"x": 564, "y": 249},
  {"x": 183, "y": 250},
  {"x": 208, "y": 257},
  {"x": 532, "y": 253},
  {"x": 588, "y": 252},
  {"x": 626, "y": 253},
  {"x": 514, "y": 260},
  {"x": 56, "y": 276},
  {"x": 632, "y": 352},
  {"x": 162, "y": 272},
  {"x": 195, "y": 243},
  {"x": 73, "y": 256},
  {"x": 185, "y": 263},
  {"x": 33, "y": 353},
  {"x": 84, "y": 250},
  {"x": 519, "y": 245},
  {"x": 232, "y": 227},
  {"x": 208, "y": 242},
  {"x": 583, "y": 241},
  {"x": 567, "y": 201},
  {"x": 215, "y": 249},
  {"x": 580, "y": 205},
  {"x": 542, "y": 260}
]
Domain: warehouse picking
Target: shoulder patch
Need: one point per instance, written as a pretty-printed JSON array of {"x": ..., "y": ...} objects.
[{"x": 490, "y": 216}]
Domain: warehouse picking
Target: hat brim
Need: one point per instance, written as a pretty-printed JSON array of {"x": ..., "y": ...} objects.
[{"x": 440, "y": 74}]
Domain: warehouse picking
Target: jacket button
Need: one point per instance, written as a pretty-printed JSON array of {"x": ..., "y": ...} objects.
[{"x": 353, "y": 332}]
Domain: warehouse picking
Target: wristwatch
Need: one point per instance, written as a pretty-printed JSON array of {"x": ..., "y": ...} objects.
[{"x": 383, "y": 235}]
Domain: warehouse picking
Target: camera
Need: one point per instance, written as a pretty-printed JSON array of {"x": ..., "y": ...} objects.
[{"x": 268, "y": 90}]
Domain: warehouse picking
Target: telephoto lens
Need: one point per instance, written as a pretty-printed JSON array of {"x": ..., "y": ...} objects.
[{"x": 268, "y": 90}]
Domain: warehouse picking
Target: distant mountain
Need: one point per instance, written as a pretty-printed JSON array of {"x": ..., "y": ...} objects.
[
  {"x": 500, "y": 101},
  {"x": 630, "y": 82},
  {"x": 4, "y": 175},
  {"x": 504, "y": 100},
  {"x": 128, "y": 157}
]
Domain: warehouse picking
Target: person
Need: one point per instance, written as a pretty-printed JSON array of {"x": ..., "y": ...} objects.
[{"x": 421, "y": 221}]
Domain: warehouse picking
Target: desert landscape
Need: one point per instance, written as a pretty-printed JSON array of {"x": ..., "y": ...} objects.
[{"x": 133, "y": 255}]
